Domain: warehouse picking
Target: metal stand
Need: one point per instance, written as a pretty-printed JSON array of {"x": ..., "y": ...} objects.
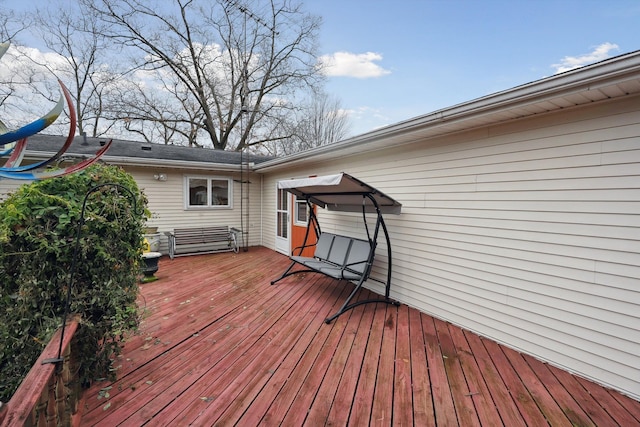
[{"x": 74, "y": 261}]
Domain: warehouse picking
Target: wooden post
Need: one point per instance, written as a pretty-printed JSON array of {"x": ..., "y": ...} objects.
[{"x": 48, "y": 394}]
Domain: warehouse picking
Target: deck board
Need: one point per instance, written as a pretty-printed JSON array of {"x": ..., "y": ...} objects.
[
  {"x": 300, "y": 406},
  {"x": 219, "y": 345},
  {"x": 562, "y": 397},
  {"x": 300, "y": 366},
  {"x": 587, "y": 403},
  {"x": 281, "y": 390},
  {"x": 462, "y": 395},
  {"x": 325, "y": 397},
  {"x": 486, "y": 409},
  {"x": 348, "y": 386},
  {"x": 539, "y": 390},
  {"x": 496, "y": 387},
  {"x": 444, "y": 409},
  {"x": 219, "y": 385},
  {"x": 402, "y": 409},
  {"x": 277, "y": 374},
  {"x": 420, "y": 379},
  {"x": 363, "y": 399},
  {"x": 382, "y": 411}
]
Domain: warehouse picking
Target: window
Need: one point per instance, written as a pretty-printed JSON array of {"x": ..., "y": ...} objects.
[
  {"x": 282, "y": 210},
  {"x": 301, "y": 212},
  {"x": 208, "y": 192}
]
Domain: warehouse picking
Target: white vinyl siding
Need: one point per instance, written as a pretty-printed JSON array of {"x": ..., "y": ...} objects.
[
  {"x": 166, "y": 203},
  {"x": 527, "y": 233},
  {"x": 8, "y": 186}
]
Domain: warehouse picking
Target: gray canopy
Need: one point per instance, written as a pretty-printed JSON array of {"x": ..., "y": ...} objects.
[{"x": 341, "y": 192}]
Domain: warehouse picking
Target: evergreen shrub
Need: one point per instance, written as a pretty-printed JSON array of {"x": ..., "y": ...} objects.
[{"x": 38, "y": 227}]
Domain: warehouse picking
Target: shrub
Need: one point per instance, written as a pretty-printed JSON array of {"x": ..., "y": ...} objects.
[{"x": 38, "y": 227}]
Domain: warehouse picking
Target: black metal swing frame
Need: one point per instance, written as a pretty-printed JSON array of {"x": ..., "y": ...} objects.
[{"x": 341, "y": 196}]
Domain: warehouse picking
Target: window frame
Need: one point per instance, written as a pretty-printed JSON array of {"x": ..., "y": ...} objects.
[
  {"x": 296, "y": 203},
  {"x": 208, "y": 205}
]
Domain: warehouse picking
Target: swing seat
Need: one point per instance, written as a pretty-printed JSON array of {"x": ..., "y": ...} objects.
[
  {"x": 336, "y": 256},
  {"x": 340, "y": 257}
]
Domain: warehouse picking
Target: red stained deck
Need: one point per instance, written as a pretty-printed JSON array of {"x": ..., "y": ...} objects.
[{"x": 220, "y": 346}]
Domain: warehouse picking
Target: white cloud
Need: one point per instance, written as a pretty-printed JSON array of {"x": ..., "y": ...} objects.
[
  {"x": 365, "y": 119},
  {"x": 599, "y": 53},
  {"x": 28, "y": 77},
  {"x": 358, "y": 65}
]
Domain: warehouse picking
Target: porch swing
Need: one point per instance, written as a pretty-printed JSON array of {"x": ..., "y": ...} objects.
[{"x": 336, "y": 256}]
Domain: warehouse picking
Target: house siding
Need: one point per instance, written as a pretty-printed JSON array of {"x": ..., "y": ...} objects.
[
  {"x": 8, "y": 186},
  {"x": 526, "y": 232},
  {"x": 166, "y": 202}
]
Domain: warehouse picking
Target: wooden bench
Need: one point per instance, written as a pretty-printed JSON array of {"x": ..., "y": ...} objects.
[
  {"x": 201, "y": 240},
  {"x": 341, "y": 258}
]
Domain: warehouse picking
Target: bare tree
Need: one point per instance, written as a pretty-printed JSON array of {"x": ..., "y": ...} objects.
[
  {"x": 323, "y": 121},
  {"x": 223, "y": 74},
  {"x": 11, "y": 25},
  {"x": 76, "y": 36},
  {"x": 241, "y": 65},
  {"x": 165, "y": 114},
  {"x": 326, "y": 122}
]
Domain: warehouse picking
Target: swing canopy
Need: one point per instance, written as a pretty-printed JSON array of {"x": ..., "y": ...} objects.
[{"x": 341, "y": 192}]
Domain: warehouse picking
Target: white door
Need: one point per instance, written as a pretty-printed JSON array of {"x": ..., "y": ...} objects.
[{"x": 282, "y": 222}]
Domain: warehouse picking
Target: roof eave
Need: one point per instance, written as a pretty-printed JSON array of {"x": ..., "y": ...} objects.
[{"x": 157, "y": 163}]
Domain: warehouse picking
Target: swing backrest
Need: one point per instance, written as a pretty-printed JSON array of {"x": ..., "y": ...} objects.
[
  {"x": 323, "y": 246},
  {"x": 339, "y": 250},
  {"x": 358, "y": 258}
]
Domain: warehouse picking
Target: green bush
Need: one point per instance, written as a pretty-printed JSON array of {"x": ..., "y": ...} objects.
[{"x": 38, "y": 227}]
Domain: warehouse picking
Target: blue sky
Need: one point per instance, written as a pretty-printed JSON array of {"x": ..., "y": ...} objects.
[{"x": 404, "y": 58}]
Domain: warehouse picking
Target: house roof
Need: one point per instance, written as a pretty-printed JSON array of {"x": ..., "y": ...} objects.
[
  {"x": 613, "y": 78},
  {"x": 136, "y": 153}
]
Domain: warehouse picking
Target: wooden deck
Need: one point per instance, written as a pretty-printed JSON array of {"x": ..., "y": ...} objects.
[{"x": 220, "y": 346}]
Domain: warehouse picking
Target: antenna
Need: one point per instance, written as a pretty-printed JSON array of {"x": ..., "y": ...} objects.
[
  {"x": 244, "y": 109},
  {"x": 253, "y": 16},
  {"x": 244, "y": 90}
]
